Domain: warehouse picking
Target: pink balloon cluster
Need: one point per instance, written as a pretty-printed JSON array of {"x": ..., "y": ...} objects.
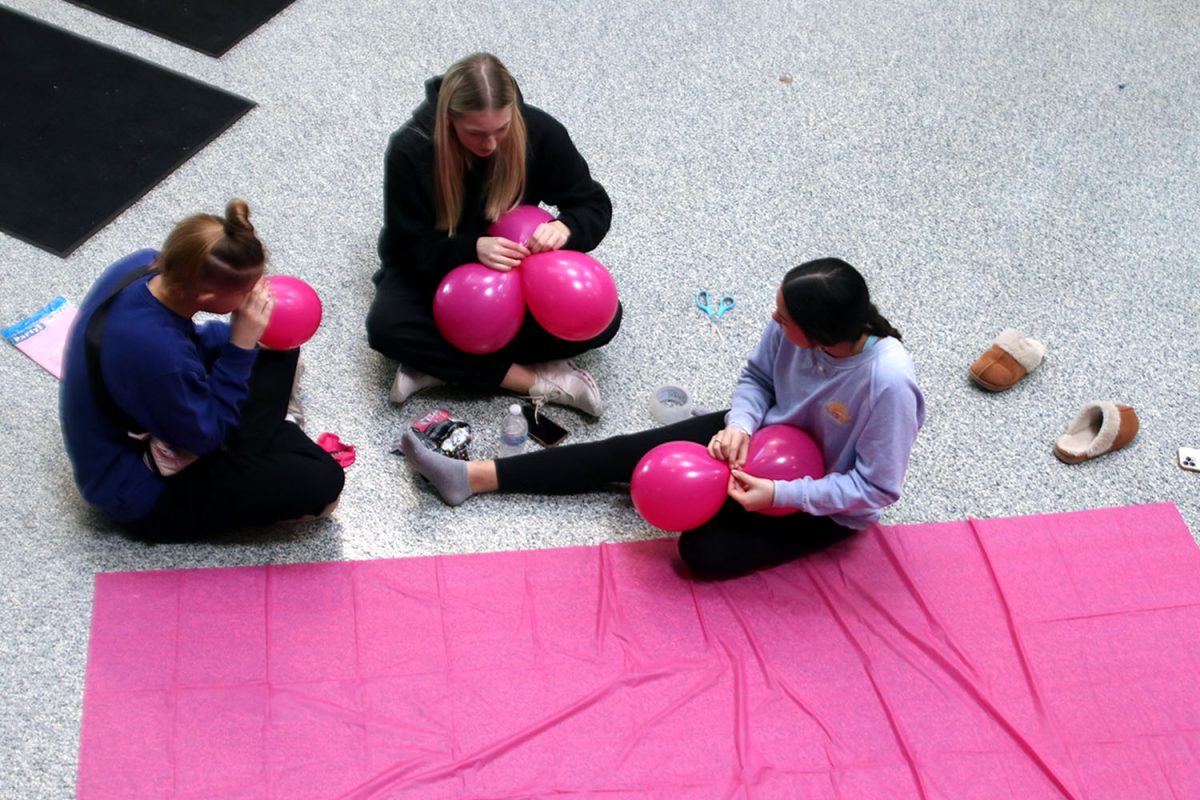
[
  {"x": 295, "y": 316},
  {"x": 571, "y": 295},
  {"x": 678, "y": 486}
]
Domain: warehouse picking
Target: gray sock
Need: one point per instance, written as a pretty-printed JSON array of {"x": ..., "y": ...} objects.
[{"x": 448, "y": 475}]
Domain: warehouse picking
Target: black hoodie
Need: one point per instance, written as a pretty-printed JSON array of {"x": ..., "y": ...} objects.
[{"x": 555, "y": 174}]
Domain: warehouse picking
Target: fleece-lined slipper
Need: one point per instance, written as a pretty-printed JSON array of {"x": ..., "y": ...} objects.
[
  {"x": 1097, "y": 429},
  {"x": 1010, "y": 358}
]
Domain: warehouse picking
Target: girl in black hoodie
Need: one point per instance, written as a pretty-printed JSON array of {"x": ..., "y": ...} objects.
[{"x": 472, "y": 151}]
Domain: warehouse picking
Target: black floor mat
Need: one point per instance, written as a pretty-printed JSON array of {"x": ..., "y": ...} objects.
[
  {"x": 86, "y": 130},
  {"x": 210, "y": 26}
]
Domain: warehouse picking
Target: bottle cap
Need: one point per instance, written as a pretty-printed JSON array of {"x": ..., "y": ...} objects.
[{"x": 515, "y": 408}]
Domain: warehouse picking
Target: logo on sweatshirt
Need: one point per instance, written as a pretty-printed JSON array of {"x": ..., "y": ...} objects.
[{"x": 839, "y": 412}]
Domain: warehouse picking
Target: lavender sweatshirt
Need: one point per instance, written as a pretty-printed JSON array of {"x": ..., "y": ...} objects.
[{"x": 864, "y": 412}]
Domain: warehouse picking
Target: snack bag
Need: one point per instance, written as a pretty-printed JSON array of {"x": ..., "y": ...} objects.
[{"x": 445, "y": 433}]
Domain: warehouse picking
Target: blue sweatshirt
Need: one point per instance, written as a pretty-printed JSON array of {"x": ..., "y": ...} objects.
[
  {"x": 182, "y": 382},
  {"x": 863, "y": 411}
]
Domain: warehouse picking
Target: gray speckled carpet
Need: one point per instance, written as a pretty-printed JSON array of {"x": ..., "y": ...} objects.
[{"x": 1025, "y": 164}]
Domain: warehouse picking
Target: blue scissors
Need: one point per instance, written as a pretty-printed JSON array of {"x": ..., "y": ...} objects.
[{"x": 715, "y": 313}]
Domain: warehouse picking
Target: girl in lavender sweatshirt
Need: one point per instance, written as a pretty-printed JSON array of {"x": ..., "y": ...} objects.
[{"x": 829, "y": 363}]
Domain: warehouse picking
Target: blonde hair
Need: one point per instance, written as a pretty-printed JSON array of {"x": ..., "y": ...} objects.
[
  {"x": 206, "y": 252},
  {"x": 478, "y": 82}
]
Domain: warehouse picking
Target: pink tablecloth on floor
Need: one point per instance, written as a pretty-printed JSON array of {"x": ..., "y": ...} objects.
[{"x": 1031, "y": 657}]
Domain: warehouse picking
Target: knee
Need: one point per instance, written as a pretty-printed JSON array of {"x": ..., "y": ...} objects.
[
  {"x": 315, "y": 484},
  {"x": 383, "y": 331},
  {"x": 610, "y": 332},
  {"x": 328, "y": 480},
  {"x": 698, "y": 556},
  {"x": 395, "y": 314},
  {"x": 605, "y": 336},
  {"x": 394, "y": 336}
]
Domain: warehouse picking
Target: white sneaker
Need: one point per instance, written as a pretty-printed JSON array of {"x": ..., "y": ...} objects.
[
  {"x": 408, "y": 382},
  {"x": 564, "y": 383}
]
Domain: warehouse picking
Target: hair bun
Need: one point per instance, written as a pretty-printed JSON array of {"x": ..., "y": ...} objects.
[{"x": 237, "y": 218}]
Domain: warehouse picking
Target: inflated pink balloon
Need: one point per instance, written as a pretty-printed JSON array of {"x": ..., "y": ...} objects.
[
  {"x": 296, "y": 315},
  {"x": 520, "y": 223},
  {"x": 570, "y": 294},
  {"x": 478, "y": 309},
  {"x": 783, "y": 453},
  {"x": 678, "y": 486}
]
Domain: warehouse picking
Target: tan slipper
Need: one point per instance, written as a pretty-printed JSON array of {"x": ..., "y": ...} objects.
[
  {"x": 1097, "y": 429},
  {"x": 1010, "y": 358}
]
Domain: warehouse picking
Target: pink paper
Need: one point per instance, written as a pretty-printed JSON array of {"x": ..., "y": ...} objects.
[
  {"x": 43, "y": 335},
  {"x": 1034, "y": 657}
]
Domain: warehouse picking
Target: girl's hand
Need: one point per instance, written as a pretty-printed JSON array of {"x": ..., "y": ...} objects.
[
  {"x": 754, "y": 494},
  {"x": 499, "y": 253},
  {"x": 730, "y": 446},
  {"x": 549, "y": 236},
  {"x": 251, "y": 317}
]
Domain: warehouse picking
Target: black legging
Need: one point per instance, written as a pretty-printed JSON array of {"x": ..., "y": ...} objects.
[
  {"x": 400, "y": 325},
  {"x": 734, "y": 542},
  {"x": 266, "y": 471}
]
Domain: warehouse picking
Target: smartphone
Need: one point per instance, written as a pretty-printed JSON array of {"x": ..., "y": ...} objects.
[
  {"x": 1189, "y": 459},
  {"x": 543, "y": 430}
]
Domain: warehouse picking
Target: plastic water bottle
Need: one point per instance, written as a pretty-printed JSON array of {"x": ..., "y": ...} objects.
[{"x": 514, "y": 431}]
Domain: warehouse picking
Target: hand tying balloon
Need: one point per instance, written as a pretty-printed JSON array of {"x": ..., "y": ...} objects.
[
  {"x": 499, "y": 253},
  {"x": 754, "y": 494},
  {"x": 549, "y": 236},
  {"x": 730, "y": 446},
  {"x": 519, "y": 224}
]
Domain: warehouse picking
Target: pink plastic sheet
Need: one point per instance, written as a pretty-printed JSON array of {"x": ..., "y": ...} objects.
[{"x": 1034, "y": 657}]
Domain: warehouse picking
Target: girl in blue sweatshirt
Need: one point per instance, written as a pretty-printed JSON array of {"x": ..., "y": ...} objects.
[
  {"x": 828, "y": 363},
  {"x": 177, "y": 430}
]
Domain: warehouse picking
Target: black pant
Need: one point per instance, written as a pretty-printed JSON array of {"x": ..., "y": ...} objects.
[
  {"x": 266, "y": 471},
  {"x": 732, "y": 543},
  {"x": 400, "y": 325}
]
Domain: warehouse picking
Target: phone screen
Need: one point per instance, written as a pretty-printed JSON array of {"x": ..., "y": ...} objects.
[{"x": 543, "y": 430}]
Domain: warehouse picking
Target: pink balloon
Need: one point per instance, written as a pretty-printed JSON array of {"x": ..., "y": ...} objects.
[
  {"x": 570, "y": 294},
  {"x": 296, "y": 315},
  {"x": 520, "y": 223},
  {"x": 478, "y": 309},
  {"x": 678, "y": 486},
  {"x": 783, "y": 453}
]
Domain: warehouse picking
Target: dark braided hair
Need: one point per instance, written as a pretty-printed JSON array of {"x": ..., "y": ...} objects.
[{"x": 828, "y": 300}]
